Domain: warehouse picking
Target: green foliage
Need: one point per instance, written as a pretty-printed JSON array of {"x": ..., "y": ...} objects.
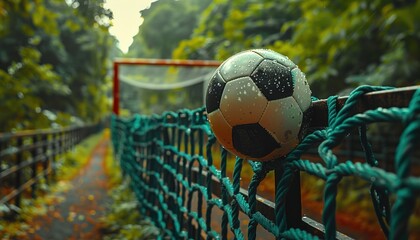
[
  {"x": 53, "y": 62},
  {"x": 338, "y": 44},
  {"x": 227, "y": 27},
  {"x": 19, "y": 94},
  {"x": 123, "y": 220},
  {"x": 366, "y": 42}
]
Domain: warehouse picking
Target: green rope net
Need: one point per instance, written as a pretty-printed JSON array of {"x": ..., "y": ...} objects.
[{"x": 169, "y": 159}]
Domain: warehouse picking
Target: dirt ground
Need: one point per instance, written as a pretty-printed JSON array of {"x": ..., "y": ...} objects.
[{"x": 77, "y": 216}]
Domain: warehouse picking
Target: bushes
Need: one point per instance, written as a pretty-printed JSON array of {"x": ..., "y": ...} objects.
[{"x": 122, "y": 219}]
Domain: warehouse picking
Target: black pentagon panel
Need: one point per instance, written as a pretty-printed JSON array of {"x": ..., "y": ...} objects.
[
  {"x": 253, "y": 140},
  {"x": 273, "y": 79},
  {"x": 214, "y": 92}
]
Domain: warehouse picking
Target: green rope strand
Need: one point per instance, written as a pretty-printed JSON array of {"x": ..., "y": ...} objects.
[
  {"x": 328, "y": 213},
  {"x": 379, "y": 196},
  {"x": 224, "y": 194},
  {"x": 405, "y": 199},
  {"x": 210, "y": 143},
  {"x": 281, "y": 190},
  {"x": 259, "y": 174},
  {"x": 236, "y": 184}
]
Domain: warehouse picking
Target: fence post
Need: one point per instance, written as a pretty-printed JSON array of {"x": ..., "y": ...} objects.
[
  {"x": 18, "y": 176},
  {"x": 66, "y": 136},
  {"x": 385, "y": 151},
  {"x": 53, "y": 154},
  {"x": 3, "y": 146},
  {"x": 73, "y": 139},
  {"x": 34, "y": 155},
  {"x": 60, "y": 144},
  {"x": 77, "y": 134},
  {"x": 45, "y": 161},
  {"x": 67, "y": 139}
]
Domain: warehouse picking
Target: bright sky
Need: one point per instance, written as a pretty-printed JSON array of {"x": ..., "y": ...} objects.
[{"x": 126, "y": 20}]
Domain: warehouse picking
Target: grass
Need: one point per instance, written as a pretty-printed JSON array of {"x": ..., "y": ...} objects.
[
  {"x": 122, "y": 219},
  {"x": 77, "y": 159},
  {"x": 111, "y": 166},
  {"x": 49, "y": 195}
]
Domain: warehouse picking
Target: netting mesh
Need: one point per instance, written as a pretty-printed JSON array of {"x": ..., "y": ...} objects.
[
  {"x": 169, "y": 159},
  {"x": 149, "y": 89}
]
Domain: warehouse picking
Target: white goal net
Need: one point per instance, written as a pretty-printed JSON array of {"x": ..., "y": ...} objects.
[{"x": 152, "y": 86}]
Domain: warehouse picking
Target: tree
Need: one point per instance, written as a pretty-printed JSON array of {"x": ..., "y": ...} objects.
[
  {"x": 227, "y": 27},
  {"x": 53, "y": 65},
  {"x": 369, "y": 42},
  {"x": 338, "y": 44}
]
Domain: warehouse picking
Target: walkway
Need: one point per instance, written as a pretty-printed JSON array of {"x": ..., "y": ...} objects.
[{"x": 78, "y": 216}]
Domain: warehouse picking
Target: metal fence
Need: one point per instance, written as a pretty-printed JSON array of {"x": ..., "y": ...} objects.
[
  {"x": 180, "y": 175},
  {"x": 29, "y": 156}
]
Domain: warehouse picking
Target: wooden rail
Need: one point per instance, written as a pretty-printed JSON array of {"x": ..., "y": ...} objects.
[
  {"x": 398, "y": 97},
  {"x": 27, "y": 157}
]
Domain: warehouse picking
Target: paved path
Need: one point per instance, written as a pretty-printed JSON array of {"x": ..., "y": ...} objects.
[{"x": 77, "y": 217}]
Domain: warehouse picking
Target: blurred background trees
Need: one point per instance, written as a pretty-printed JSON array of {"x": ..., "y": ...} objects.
[
  {"x": 166, "y": 24},
  {"x": 54, "y": 58},
  {"x": 338, "y": 44},
  {"x": 55, "y": 55}
]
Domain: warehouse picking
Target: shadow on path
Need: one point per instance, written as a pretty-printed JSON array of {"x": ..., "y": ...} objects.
[{"x": 78, "y": 215}]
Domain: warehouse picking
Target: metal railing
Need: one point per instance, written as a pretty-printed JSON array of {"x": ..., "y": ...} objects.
[{"x": 27, "y": 157}]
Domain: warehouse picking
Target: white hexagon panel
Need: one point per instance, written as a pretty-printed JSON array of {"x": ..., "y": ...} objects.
[
  {"x": 302, "y": 92},
  {"x": 283, "y": 118},
  {"x": 242, "y": 102}
]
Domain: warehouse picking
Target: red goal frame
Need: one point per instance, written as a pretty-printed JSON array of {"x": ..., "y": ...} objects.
[{"x": 155, "y": 62}]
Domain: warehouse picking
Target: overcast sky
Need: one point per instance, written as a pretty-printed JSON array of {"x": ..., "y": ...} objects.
[{"x": 126, "y": 19}]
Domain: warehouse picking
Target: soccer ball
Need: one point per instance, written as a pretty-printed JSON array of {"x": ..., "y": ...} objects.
[{"x": 256, "y": 102}]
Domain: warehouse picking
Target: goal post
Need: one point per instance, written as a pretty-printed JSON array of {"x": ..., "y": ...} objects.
[{"x": 164, "y": 66}]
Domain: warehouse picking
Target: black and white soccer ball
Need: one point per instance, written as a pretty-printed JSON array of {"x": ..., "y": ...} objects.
[{"x": 255, "y": 103}]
